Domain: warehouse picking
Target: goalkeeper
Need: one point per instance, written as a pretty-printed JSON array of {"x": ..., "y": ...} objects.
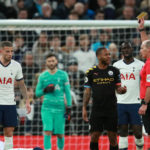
[{"x": 53, "y": 84}]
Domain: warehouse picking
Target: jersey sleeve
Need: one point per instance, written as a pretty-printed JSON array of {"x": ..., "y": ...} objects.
[
  {"x": 67, "y": 89},
  {"x": 148, "y": 74},
  {"x": 88, "y": 79},
  {"x": 39, "y": 88},
  {"x": 19, "y": 75},
  {"x": 117, "y": 77}
]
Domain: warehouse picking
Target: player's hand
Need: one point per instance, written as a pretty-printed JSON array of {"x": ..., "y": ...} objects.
[
  {"x": 84, "y": 115},
  {"x": 49, "y": 89},
  {"x": 142, "y": 109},
  {"x": 28, "y": 107},
  {"x": 68, "y": 113},
  {"x": 122, "y": 90},
  {"x": 141, "y": 23}
]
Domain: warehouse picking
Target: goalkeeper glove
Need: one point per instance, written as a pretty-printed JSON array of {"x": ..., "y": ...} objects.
[
  {"x": 49, "y": 89},
  {"x": 68, "y": 113}
]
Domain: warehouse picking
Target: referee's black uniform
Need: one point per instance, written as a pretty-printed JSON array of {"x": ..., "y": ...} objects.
[{"x": 104, "y": 109}]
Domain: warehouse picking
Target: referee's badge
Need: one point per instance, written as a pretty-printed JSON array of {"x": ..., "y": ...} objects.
[
  {"x": 110, "y": 72},
  {"x": 86, "y": 79}
]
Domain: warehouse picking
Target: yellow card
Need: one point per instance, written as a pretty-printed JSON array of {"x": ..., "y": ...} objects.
[{"x": 141, "y": 15}]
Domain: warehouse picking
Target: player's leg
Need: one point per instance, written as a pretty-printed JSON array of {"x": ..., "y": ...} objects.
[
  {"x": 146, "y": 121},
  {"x": 123, "y": 126},
  {"x": 110, "y": 124},
  {"x": 8, "y": 137},
  {"x": 136, "y": 122},
  {"x": 96, "y": 127},
  {"x": 9, "y": 123},
  {"x": 47, "y": 120},
  {"x": 59, "y": 129}
]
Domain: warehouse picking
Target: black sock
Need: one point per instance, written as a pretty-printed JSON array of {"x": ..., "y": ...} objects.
[
  {"x": 114, "y": 147},
  {"x": 123, "y": 149},
  {"x": 93, "y": 146}
]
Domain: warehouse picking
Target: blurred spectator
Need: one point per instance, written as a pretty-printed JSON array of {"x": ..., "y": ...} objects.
[
  {"x": 36, "y": 7},
  {"x": 29, "y": 117},
  {"x": 73, "y": 15},
  {"x": 37, "y": 16},
  {"x": 9, "y": 3},
  {"x": 2, "y": 16},
  {"x": 94, "y": 35},
  {"x": 19, "y": 48},
  {"x": 113, "y": 52},
  {"x": 76, "y": 78},
  {"x": 129, "y": 3},
  {"x": 47, "y": 11},
  {"x": 103, "y": 41},
  {"x": 55, "y": 47},
  {"x": 127, "y": 13},
  {"x": 19, "y": 5},
  {"x": 100, "y": 15},
  {"x": 70, "y": 44},
  {"x": 63, "y": 10},
  {"x": 80, "y": 9},
  {"x": 40, "y": 48},
  {"x": 87, "y": 55},
  {"x": 29, "y": 68},
  {"x": 23, "y": 14}
]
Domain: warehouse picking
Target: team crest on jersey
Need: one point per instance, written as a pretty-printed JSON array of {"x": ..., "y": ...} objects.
[
  {"x": 110, "y": 73},
  {"x": 148, "y": 78},
  {"x": 86, "y": 79}
]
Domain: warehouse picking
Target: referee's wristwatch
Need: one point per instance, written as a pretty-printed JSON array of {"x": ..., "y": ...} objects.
[{"x": 143, "y": 102}]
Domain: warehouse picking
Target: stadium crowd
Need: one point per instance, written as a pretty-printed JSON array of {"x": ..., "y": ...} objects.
[{"x": 75, "y": 49}]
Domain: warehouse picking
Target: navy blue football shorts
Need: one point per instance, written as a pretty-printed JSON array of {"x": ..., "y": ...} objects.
[
  {"x": 8, "y": 115},
  {"x": 128, "y": 114}
]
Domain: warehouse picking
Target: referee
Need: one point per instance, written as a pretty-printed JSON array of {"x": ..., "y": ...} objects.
[
  {"x": 145, "y": 78},
  {"x": 102, "y": 81}
]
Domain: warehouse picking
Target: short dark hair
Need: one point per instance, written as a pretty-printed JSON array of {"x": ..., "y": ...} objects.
[
  {"x": 126, "y": 43},
  {"x": 51, "y": 55},
  {"x": 6, "y": 44},
  {"x": 99, "y": 50}
]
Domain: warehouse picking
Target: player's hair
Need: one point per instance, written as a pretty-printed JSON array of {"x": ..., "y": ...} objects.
[
  {"x": 6, "y": 44},
  {"x": 147, "y": 43},
  {"x": 126, "y": 43},
  {"x": 99, "y": 50},
  {"x": 51, "y": 55}
]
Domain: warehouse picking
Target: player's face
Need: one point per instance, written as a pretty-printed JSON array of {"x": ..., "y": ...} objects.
[
  {"x": 104, "y": 57},
  {"x": 126, "y": 50},
  {"x": 143, "y": 51},
  {"x": 7, "y": 53},
  {"x": 51, "y": 63}
]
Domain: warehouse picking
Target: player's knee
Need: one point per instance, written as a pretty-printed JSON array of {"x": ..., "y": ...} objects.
[
  {"x": 60, "y": 135},
  {"x": 95, "y": 137},
  {"x": 47, "y": 132},
  {"x": 139, "y": 142},
  {"x": 123, "y": 142}
]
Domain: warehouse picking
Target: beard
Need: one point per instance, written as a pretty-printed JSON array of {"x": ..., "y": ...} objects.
[{"x": 52, "y": 67}]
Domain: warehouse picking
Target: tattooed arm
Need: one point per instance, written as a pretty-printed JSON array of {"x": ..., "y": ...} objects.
[{"x": 86, "y": 98}]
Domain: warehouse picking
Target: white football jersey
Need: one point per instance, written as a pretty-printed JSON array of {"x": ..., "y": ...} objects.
[
  {"x": 8, "y": 75},
  {"x": 130, "y": 77}
]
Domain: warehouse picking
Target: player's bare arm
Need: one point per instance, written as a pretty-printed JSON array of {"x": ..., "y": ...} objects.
[
  {"x": 143, "y": 108},
  {"x": 23, "y": 90},
  {"x": 121, "y": 90},
  {"x": 142, "y": 30},
  {"x": 86, "y": 99}
]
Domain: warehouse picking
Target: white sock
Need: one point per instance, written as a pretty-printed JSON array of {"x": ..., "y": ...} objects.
[
  {"x": 8, "y": 144},
  {"x": 139, "y": 143},
  {"x": 123, "y": 142}
]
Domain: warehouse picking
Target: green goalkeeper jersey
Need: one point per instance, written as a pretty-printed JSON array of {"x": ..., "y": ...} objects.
[{"x": 54, "y": 101}]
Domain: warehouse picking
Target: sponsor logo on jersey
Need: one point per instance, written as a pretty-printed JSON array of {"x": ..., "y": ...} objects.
[
  {"x": 86, "y": 79},
  {"x": 128, "y": 76},
  {"x": 5, "y": 80},
  {"x": 148, "y": 78},
  {"x": 110, "y": 73}
]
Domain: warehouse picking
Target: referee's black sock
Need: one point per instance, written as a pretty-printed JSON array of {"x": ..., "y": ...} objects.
[
  {"x": 93, "y": 146},
  {"x": 114, "y": 147}
]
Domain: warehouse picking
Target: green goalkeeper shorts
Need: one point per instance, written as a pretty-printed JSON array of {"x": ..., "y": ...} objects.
[{"x": 54, "y": 122}]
